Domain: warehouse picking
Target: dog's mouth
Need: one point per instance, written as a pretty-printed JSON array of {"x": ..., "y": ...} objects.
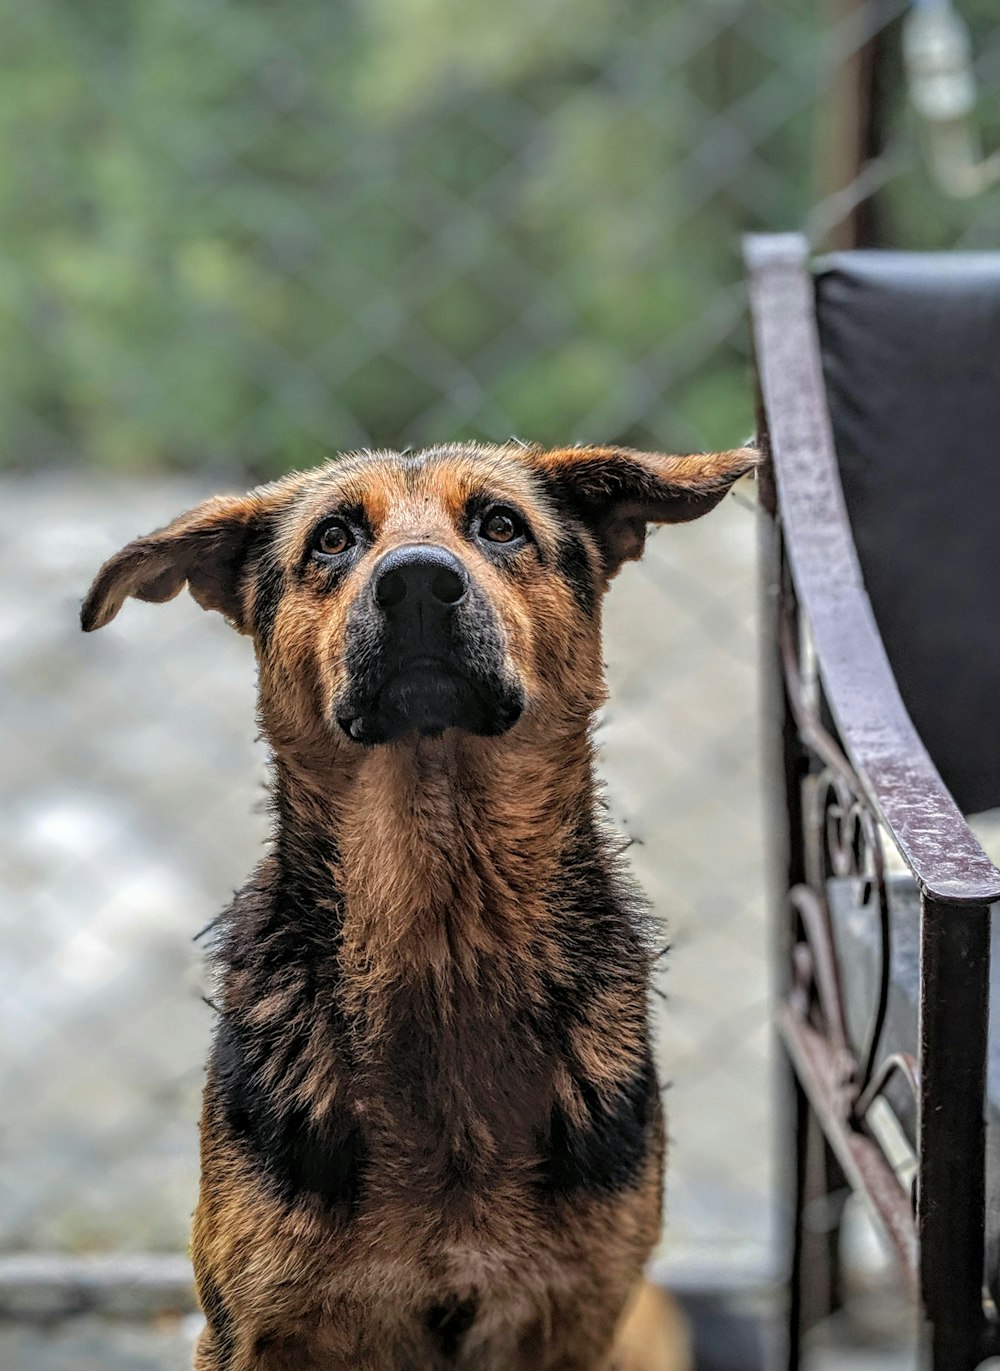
[{"x": 427, "y": 695}]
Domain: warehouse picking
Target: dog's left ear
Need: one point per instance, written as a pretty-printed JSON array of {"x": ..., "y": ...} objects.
[
  {"x": 204, "y": 548},
  {"x": 617, "y": 491}
]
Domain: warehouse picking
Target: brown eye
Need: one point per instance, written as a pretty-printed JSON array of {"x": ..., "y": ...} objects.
[
  {"x": 502, "y": 526},
  {"x": 333, "y": 539}
]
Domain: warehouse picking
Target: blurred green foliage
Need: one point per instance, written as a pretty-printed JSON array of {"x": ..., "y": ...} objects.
[{"x": 238, "y": 232}]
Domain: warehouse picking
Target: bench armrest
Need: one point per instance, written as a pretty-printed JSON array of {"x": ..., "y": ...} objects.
[{"x": 892, "y": 765}]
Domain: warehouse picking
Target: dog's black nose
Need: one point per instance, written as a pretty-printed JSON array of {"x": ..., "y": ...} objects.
[{"x": 419, "y": 575}]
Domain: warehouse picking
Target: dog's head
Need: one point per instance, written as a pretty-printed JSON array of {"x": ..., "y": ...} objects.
[{"x": 404, "y": 594}]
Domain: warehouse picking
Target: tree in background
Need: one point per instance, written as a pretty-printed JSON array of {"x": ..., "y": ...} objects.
[{"x": 243, "y": 233}]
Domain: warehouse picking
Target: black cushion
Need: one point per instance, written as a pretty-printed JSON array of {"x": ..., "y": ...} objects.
[{"x": 911, "y": 356}]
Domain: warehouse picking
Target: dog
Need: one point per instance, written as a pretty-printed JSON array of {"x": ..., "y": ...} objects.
[{"x": 432, "y": 1134}]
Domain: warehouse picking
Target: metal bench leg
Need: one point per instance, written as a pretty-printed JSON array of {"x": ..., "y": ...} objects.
[
  {"x": 800, "y": 1118},
  {"x": 954, "y": 1003},
  {"x": 819, "y": 1189}
]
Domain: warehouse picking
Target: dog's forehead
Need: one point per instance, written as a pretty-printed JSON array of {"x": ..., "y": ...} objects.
[{"x": 389, "y": 486}]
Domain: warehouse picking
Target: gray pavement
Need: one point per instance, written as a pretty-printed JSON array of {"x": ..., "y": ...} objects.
[{"x": 95, "y": 1344}]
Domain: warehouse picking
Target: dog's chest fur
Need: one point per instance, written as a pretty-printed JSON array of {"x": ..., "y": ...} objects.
[{"x": 427, "y": 1071}]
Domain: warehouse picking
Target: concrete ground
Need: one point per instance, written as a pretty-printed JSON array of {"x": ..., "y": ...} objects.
[{"x": 94, "y": 1344}]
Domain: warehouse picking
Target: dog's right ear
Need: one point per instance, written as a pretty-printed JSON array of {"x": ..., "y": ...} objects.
[{"x": 206, "y": 548}]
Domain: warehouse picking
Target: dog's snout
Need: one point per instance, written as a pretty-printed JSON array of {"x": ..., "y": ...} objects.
[{"x": 419, "y": 575}]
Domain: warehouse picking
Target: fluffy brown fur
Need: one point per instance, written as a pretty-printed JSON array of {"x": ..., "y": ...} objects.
[{"x": 432, "y": 1134}]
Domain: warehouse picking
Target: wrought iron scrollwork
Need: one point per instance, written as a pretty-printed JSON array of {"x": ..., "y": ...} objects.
[{"x": 841, "y": 839}]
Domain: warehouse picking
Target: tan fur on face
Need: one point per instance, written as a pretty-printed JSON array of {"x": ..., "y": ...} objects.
[{"x": 306, "y": 668}]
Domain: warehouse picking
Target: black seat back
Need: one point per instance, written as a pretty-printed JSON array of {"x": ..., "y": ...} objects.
[{"x": 911, "y": 355}]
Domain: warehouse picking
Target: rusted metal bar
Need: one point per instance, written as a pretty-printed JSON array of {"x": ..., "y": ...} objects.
[{"x": 822, "y": 1072}]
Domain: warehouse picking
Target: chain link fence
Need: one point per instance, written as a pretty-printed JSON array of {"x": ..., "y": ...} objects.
[{"x": 246, "y": 235}]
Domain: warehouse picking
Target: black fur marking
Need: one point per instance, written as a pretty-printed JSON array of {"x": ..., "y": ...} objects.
[
  {"x": 327, "y": 1161},
  {"x": 477, "y": 693},
  {"x": 502, "y": 555},
  {"x": 602, "y": 939},
  {"x": 219, "y": 1321},
  {"x": 589, "y": 487},
  {"x": 284, "y": 929},
  {"x": 269, "y": 588},
  {"x": 561, "y": 492},
  {"x": 356, "y": 518},
  {"x": 448, "y": 1323},
  {"x": 575, "y": 569},
  {"x": 604, "y": 1155}
]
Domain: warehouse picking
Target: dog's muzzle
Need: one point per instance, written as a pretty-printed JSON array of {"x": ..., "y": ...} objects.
[{"x": 425, "y": 652}]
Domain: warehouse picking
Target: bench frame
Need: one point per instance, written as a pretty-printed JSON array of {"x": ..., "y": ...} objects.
[{"x": 849, "y": 771}]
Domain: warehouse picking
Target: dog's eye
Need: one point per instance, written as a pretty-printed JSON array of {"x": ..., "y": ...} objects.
[
  {"x": 502, "y": 526},
  {"x": 332, "y": 539}
]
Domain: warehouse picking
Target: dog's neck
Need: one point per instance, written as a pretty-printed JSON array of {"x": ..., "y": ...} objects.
[
  {"x": 440, "y": 959},
  {"x": 435, "y": 850}
]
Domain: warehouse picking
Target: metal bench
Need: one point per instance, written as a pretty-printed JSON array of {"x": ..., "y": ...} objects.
[{"x": 879, "y": 384}]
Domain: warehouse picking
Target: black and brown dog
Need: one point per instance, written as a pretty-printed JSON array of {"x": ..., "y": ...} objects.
[{"x": 432, "y": 1134}]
